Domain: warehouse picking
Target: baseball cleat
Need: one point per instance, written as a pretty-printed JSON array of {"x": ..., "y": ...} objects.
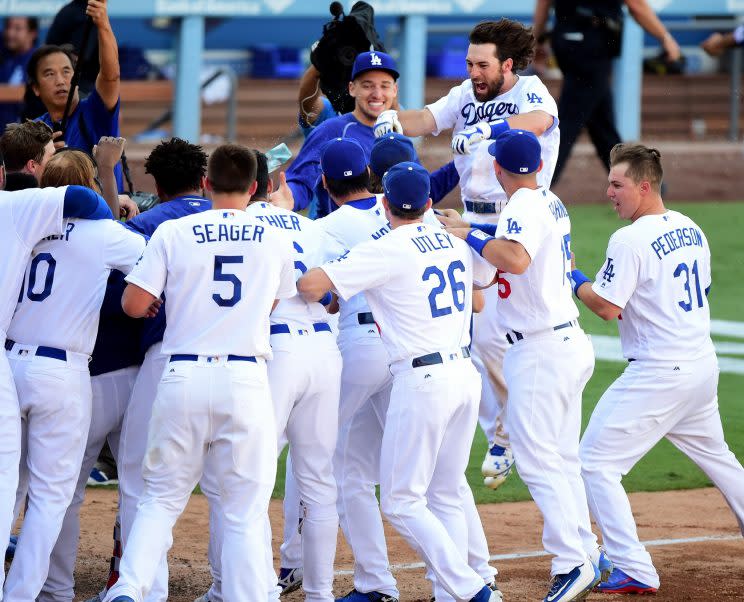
[
  {"x": 487, "y": 594},
  {"x": 574, "y": 585},
  {"x": 622, "y": 583},
  {"x": 98, "y": 477},
  {"x": 289, "y": 580},
  {"x": 203, "y": 598},
  {"x": 604, "y": 564},
  {"x": 357, "y": 596},
  {"x": 497, "y": 466},
  {"x": 123, "y": 599}
]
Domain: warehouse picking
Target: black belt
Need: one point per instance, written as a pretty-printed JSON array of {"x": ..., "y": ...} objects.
[
  {"x": 631, "y": 359},
  {"x": 365, "y": 317},
  {"x": 285, "y": 329},
  {"x": 42, "y": 351},
  {"x": 431, "y": 359},
  {"x": 190, "y": 357},
  {"x": 480, "y": 207},
  {"x": 518, "y": 336}
]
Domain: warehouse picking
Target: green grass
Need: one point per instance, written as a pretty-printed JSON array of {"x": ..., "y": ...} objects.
[{"x": 664, "y": 468}]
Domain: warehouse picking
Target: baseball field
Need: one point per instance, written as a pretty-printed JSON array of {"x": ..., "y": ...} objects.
[{"x": 695, "y": 540}]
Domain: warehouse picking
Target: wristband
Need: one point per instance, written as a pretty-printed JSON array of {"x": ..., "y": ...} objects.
[
  {"x": 499, "y": 127},
  {"x": 478, "y": 240},
  {"x": 326, "y": 299},
  {"x": 487, "y": 228},
  {"x": 578, "y": 278}
]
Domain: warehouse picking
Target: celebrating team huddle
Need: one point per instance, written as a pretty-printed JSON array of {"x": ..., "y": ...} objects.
[{"x": 371, "y": 341}]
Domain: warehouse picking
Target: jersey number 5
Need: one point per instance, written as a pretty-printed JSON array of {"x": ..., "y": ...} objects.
[
  {"x": 458, "y": 288},
  {"x": 220, "y": 276}
]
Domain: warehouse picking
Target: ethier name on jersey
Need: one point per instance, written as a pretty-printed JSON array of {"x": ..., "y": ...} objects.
[
  {"x": 677, "y": 239},
  {"x": 288, "y": 222},
  {"x": 227, "y": 232},
  {"x": 441, "y": 240},
  {"x": 66, "y": 236}
]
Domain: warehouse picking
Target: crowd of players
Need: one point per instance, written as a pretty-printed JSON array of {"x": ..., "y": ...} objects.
[{"x": 347, "y": 337}]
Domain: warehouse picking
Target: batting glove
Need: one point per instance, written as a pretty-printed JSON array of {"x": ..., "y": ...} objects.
[
  {"x": 462, "y": 141},
  {"x": 387, "y": 122}
]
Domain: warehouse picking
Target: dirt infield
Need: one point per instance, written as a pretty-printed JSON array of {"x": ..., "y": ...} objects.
[{"x": 697, "y": 570}]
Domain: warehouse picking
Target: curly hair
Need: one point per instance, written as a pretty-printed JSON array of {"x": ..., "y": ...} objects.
[
  {"x": 512, "y": 39},
  {"x": 177, "y": 166}
]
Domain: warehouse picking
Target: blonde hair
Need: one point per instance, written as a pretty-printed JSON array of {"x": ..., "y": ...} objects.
[{"x": 70, "y": 167}]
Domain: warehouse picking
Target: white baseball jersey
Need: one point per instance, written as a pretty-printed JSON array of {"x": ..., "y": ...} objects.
[
  {"x": 345, "y": 228},
  {"x": 208, "y": 264},
  {"x": 541, "y": 297},
  {"x": 65, "y": 282},
  {"x": 459, "y": 110},
  {"x": 26, "y": 217},
  {"x": 658, "y": 271},
  {"x": 308, "y": 242},
  {"x": 416, "y": 277}
]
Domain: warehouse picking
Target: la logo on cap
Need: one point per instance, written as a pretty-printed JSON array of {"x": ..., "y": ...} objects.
[
  {"x": 374, "y": 59},
  {"x": 347, "y": 173}
]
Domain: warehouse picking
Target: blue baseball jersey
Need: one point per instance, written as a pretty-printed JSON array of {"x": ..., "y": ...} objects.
[
  {"x": 118, "y": 344},
  {"x": 146, "y": 223},
  {"x": 303, "y": 177},
  {"x": 87, "y": 123}
]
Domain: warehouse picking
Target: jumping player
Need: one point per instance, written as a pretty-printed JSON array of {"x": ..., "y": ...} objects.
[
  {"x": 433, "y": 405},
  {"x": 656, "y": 276},
  {"x": 213, "y": 409}
]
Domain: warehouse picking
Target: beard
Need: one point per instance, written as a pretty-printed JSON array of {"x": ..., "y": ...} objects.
[{"x": 493, "y": 90}]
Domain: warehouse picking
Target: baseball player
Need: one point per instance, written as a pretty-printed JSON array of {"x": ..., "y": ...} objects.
[
  {"x": 433, "y": 404},
  {"x": 492, "y": 100},
  {"x": 304, "y": 377},
  {"x": 178, "y": 168},
  {"x": 213, "y": 412},
  {"x": 656, "y": 276},
  {"x": 549, "y": 360},
  {"x": 26, "y": 217},
  {"x": 54, "y": 427}
]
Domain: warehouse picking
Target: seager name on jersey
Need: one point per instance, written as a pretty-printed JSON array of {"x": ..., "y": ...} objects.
[
  {"x": 227, "y": 232},
  {"x": 676, "y": 239},
  {"x": 437, "y": 242}
]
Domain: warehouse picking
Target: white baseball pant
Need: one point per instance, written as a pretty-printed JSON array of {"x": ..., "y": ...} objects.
[
  {"x": 304, "y": 376},
  {"x": 546, "y": 374},
  {"x": 10, "y": 450},
  {"x": 132, "y": 447},
  {"x": 55, "y": 429},
  {"x": 111, "y": 393},
  {"x": 649, "y": 401},
  {"x": 290, "y": 552},
  {"x": 213, "y": 417},
  {"x": 429, "y": 429}
]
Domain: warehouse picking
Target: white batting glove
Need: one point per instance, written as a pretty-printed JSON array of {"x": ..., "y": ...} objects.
[
  {"x": 387, "y": 122},
  {"x": 462, "y": 141}
]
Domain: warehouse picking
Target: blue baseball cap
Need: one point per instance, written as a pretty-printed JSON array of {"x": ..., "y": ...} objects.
[
  {"x": 406, "y": 185},
  {"x": 517, "y": 151},
  {"x": 343, "y": 158},
  {"x": 374, "y": 61},
  {"x": 389, "y": 150}
]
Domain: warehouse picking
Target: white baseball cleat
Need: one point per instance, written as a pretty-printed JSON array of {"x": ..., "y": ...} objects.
[{"x": 497, "y": 466}]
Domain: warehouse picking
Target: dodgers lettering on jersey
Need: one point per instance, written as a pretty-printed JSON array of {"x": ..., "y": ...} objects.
[
  {"x": 221, "y": 271},
  {"x": 658, "y": 271},
  {"x": 26, "y": 216},
  {"x": 65, "y": 282},
  {"x": 307, "y": 241},
  {"x": 541, "y": 297},
  {"x": 459, "y": 110},
  {"x": 418, "y": 282}
]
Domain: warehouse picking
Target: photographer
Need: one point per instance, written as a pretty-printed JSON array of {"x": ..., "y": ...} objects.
[{"x": 50, "y": 73}]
